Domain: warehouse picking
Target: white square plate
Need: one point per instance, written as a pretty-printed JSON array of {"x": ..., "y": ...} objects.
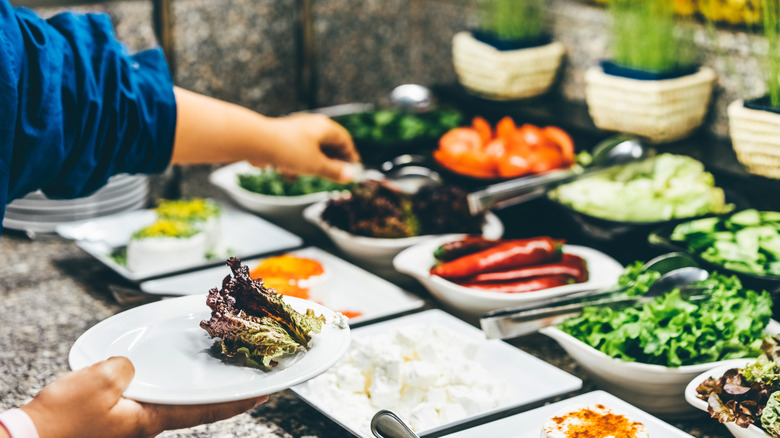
[
  {"x": 527, "y": 378},
  {"x": 345, "y": 287},
  {"x": 243, "y": 235},
  {"x": 529, "y": 424}
]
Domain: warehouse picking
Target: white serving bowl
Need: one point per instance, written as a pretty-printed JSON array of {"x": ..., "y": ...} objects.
[
  {"x": 417, "y": 261},
  {"x": 379, "y": 252},
  {"x": 286, "y": 208},
  {"x": 690, "y": 395},
  {"x": 656, "y": 389}
]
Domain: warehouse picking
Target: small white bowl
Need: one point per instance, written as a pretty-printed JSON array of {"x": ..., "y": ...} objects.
[
  {"x": 275, "y": 207},
  {"x": 690, "y": 395},
  {"x": 653, "y": 388},
  {"x": 379, "y": 252},
  {"x": 417, "y": 261}
]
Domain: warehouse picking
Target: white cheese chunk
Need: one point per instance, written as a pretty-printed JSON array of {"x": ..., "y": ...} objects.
[{"x": 426, "y": 373}]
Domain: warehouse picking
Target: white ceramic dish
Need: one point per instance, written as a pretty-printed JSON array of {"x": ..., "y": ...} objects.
[
  {"x": 528, "y": 379},
  {"x": 170, "y": 354},
  {"x": 276, "y": 207},
  {"x": 345, "y": 287},
  {"x": 377, "y": 252},
  {"x": 48, "y": 224},
  {"x": 690, "y": 395},
  {"x": 243, "y": 235},
  {"x": 417, "y": 261},
  {"x": 654, "y": 388},
  {"x": 529, "y": 424}
]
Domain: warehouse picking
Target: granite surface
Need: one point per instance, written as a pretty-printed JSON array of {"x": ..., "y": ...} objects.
[{"x": 52, "y": 292}]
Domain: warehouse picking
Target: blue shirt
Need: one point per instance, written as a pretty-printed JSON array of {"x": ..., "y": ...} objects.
[{"x": 75, "y": 107}]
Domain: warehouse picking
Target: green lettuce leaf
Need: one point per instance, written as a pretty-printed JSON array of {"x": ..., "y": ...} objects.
[
  {"x": 672, "y": 331},
  {"x": 770, "y": 417}
]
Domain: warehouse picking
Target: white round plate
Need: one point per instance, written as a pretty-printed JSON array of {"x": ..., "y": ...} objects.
[
  {"x": 752, "y": 431},
  {"x": 84, "y": 210},
  {"x": 47, "y": 225},
  {"x": 173, "y": 364},
  {"x": 113, "y": 188}
]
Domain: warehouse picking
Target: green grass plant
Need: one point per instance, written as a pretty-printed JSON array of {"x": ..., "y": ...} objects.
[
  {"x": 514, "y": 19},
  {"x": 647, "y": 35},
  {"x": 771, "y": 23}
]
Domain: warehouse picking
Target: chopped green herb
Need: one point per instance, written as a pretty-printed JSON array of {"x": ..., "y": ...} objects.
[{"x": 271, "y": 182}]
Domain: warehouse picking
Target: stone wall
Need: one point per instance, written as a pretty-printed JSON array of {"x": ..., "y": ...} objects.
[{"x": 244, "y": 51}]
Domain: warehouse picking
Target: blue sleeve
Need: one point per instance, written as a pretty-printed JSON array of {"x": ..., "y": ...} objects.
[{"x": 75, "y": 108}]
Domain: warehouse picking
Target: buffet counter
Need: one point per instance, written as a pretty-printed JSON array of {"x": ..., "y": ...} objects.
[{"x": 53, "y": 292}]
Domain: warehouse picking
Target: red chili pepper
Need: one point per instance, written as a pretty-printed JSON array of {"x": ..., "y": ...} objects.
[
  {"x": 524, "y": 285},
  {"x": 570, "y": 265},
  {"x": 506, "y": 255},
  {"x": 469, "y": 245}
]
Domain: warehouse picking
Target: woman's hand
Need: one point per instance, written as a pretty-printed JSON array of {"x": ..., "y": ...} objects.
[
  {"x": 213, "y": 131},
  {"x": 88, "y": 403},
  {"x": 312, "y": 144}
]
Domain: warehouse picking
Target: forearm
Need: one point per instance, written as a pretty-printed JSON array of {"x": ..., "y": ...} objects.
[{"x": 213, "y": 131}]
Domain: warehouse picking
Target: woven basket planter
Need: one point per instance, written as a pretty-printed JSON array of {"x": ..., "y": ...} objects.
[
  {"x": 504, "y": 75},
  {"x": 659, "y": 110},
  {"x": 755, "y": 136}
]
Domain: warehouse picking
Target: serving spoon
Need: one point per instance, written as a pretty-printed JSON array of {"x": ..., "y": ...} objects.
[
  {"x": 412, "y": 98},
  {"x": 523, "y": 320},
  {"x": 387, "y": 424},
  {"x": 620, "y": 149}
]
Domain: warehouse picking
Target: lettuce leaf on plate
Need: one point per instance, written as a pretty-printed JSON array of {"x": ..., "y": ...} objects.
[
  {"x": 673, "y": 331},
  {"x": 254, "y": 323}
]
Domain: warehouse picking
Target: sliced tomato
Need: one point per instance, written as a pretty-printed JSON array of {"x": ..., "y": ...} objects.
[
  {"x": 531, "y": 134},
  {"x": 496, "y": 148},
  {"x": 477, "y": 165},
  {"x": 547, "y": 157},
  {"x": 483, "y": 129},
  {"x": 511, "y": 165},
  {"x": 563, "y": 140},
  {"x": 459, "y": 140},
  {"x": 505, "y": 128}
]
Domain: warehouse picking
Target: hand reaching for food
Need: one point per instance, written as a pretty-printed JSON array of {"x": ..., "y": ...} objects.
[
  {"x": 88, "y": 403},
  {"x": 212, "y": 131}
]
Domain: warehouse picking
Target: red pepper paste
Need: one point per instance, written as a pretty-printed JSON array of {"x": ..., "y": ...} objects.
[{"x": 597, "y": 422}]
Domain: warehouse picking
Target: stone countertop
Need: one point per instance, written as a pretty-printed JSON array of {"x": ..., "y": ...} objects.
[{"x": 52, "y": 292}]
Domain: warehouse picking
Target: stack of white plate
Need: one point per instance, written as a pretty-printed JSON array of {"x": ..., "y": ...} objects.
[{"x": 36, "y": 213}]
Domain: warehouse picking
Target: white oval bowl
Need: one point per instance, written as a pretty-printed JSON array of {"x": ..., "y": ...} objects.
[
  {"x": 417, "y": 261},
  {"x": 653, "y": 388},
  {"x": 690, "y": 395},
  {"x": 379, "y": 252},
  {"x": 277, "y": 207}
]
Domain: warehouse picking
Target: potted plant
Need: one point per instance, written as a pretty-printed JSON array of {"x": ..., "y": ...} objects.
[
  {"x": 754, "y": 125},
  {"x": 652, "y": 85},
  {"x": 510, "y": 56}
]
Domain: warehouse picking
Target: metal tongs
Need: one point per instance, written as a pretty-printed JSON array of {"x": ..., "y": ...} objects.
[
  {"x": 678, "y": 271},
  {"x": 611, "y": 152}
]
